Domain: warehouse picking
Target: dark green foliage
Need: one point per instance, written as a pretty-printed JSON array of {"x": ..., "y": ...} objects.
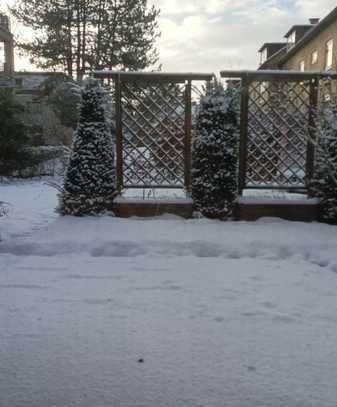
[
  {"x": 63, "y": 95},
  {"x": 13, "y": 138},
  {"x": 65, "y": 100},
  {"x": 89, "y": 183},
  {"x": 213, "y": 86},
  {"x": 324, "y": 184},
  {"x": 215, "y": 156},
  {"x": 131, "y": 48}
]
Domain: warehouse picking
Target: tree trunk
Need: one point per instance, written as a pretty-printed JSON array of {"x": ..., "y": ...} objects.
[
  {"x": 78, "y": 41},
  {"x": 69, "y": 56}
]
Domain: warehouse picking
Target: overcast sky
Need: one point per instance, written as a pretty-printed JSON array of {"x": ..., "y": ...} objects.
[{"x": 210, "y": 35}]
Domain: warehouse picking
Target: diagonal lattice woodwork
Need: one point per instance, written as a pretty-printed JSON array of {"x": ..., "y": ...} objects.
[
  {"x": 278, "y": 125},
  {"x": 153, "y": 120}
]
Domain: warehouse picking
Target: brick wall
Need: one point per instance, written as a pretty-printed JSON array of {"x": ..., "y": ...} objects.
[{"x": 318, "y": 44}]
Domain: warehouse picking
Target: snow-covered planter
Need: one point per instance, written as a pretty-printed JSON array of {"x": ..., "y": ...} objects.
[
  {"x": 215, "y": 155},
  {"x": 89, "y": 184},
  {"x": 324, "y": 183}
]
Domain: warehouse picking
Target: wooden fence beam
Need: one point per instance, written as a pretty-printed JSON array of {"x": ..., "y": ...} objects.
[
  {"x": 310, "y": 154},
  {"x": 243, "y": 133},
  {"x": 277, "y": 75},
  {"x": 188, "y": 136},
  {"x": 154, "y": 76},
  {"x": 119, "y": 134}
]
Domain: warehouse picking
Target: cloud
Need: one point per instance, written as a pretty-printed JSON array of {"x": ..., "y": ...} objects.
[
  {"x": 211, "y": 35},
  {"x": 219, "y": 34},
  {"x": 313, "y": 8},
  {"x": 176, "y": 7}
]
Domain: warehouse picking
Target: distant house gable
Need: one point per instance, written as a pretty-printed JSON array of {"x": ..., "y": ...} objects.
[
  {"x": 273, "y": 61},
  {"x": 269, "y": 49},
  {"x": 311, "y": 34},
  {"x": 307, "y": 47}
]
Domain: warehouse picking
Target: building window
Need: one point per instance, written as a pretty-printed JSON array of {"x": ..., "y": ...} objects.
[
  {"x": 292, "y": 39},
  {"x": 328, "y": 54},
  {"x": 19, "y": 82},
  {"x": 2, "y": 56},
  {"x": 264, "y": 56},
  {"x": 302, "y": 66},
  {"x": 314, "y": 57}
]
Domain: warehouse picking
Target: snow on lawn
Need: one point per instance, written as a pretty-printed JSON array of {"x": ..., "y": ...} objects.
[
  {"x": 31, "y": 206},
  {"x": 221, "y": 314}
]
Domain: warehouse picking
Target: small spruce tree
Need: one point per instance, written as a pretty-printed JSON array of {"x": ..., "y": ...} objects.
[
  {"x": 324, "y": 183},
  {"x": 89, "y": 183},
  {"x": 215, "y": 155}
]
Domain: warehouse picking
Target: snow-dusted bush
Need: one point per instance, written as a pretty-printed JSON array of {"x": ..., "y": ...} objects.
[
  {"x": 4, "y": 207},
  {"x": 215, "y": 155},
  {"x": 89, "y": 183},
  {"x": 324, "y": 184}
]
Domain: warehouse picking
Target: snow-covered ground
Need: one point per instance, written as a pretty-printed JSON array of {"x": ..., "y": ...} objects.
[
  {"x": 31, "y": 206},
  {"x": 221, "y": 314}
]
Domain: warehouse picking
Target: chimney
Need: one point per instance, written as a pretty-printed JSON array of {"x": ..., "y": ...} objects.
[{"x": 314, "y": 21}]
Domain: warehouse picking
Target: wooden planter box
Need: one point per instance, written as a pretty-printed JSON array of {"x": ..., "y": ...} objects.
[
  {"x": 306, "y": 210},
  {"x": 125, "y": 208}
]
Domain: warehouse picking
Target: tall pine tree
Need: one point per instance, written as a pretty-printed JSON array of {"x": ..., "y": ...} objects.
[
  {"x": 215, "y": 155},
  {"x": 78, "y": 36},
  {"x": 89, "y": 184},
  {"x": 324, "y": 184}
]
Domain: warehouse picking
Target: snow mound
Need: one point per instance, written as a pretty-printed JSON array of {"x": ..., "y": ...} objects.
[{"x": 106, "y": 236}]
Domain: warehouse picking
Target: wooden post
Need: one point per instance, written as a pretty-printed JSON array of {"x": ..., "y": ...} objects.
[
  {"x": 119, "y": 134},
  {"x": 310, "y": 155},
  {"x": 188, "y": 136},
  {"x": 243, "y": 132}
]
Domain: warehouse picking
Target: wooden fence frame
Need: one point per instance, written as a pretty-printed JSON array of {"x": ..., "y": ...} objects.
[
  {"x": 153, "y": 77},
  {"x": 247, "y": 77}
]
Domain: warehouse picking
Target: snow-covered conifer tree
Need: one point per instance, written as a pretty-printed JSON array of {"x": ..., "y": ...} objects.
[
  {"x": 215, "y": 155},
  {"x": 89, "y": 184},
  {"x": 324, "y": 184}
]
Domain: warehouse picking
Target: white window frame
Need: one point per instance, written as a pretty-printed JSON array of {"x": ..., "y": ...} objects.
[
  {"x": 291, "y": 39},
  {"x": 328, "y": 55},
  {"x": 264, "y": 56},
  {"x": 2, "y": 52},
  {"x": 302, "y": 65},
  {"x": 314, "y": 57}
]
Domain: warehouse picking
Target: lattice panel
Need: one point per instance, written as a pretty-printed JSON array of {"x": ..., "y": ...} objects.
[
  {"x": 327, "y": 92},
  {"x": 153, "y": 120},
  {"x": 278, "y": 125}
]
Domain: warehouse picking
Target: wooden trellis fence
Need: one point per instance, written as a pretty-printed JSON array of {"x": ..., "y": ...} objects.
[
  {"x": 153, "y": 119},
  {"x": 277, "y": 118}
]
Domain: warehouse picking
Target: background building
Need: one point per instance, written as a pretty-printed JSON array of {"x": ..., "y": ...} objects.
[
  {"x": 41, "y": 122},
  {"x": 6, "y": 49},
  {"x": 311, "y": 47}
]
